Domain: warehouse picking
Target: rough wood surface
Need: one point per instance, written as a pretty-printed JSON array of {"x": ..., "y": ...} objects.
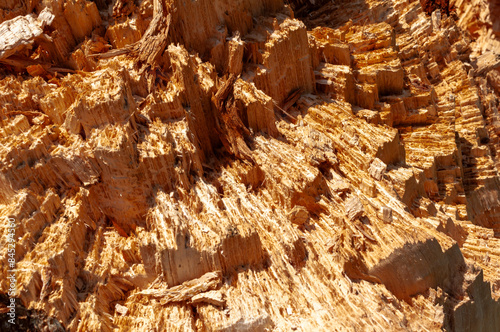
[
  {"x": 251, "y": 165},
  {"x": 22, "y": 31}
]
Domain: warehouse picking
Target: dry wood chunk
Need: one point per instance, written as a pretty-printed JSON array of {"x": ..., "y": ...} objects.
[
  {"x": 486, "y": 62},
  {"x": 354, "y": 208},
  {"x": 299, "y": 215},
  {"x": 212, "y": 297},
  {"x": 186, "y": 290},
  {"x": 386, "y": 214},
  {"x": 20, "y": 32},
  {"x": 377, "y": 169},
  {"x": 122, "y": 310},
  {"x": 341, "y": 186}
]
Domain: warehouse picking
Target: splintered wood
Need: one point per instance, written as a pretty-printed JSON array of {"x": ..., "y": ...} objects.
[
  {"x": 22, "y": 31},
  {"x": 155, "y": 39},
  {"x": 354, "y": 208},
  {"x": 231, "y": 129},
  {"x": 186, "y": 290},
  {"x": 252, "y": 165}
]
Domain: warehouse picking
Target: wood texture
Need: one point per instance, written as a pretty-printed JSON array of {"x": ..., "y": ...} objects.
[{"x": 251, "y": 165}]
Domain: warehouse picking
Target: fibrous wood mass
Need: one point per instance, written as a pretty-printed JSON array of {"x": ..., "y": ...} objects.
[{"x": 251, "y": 165}]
